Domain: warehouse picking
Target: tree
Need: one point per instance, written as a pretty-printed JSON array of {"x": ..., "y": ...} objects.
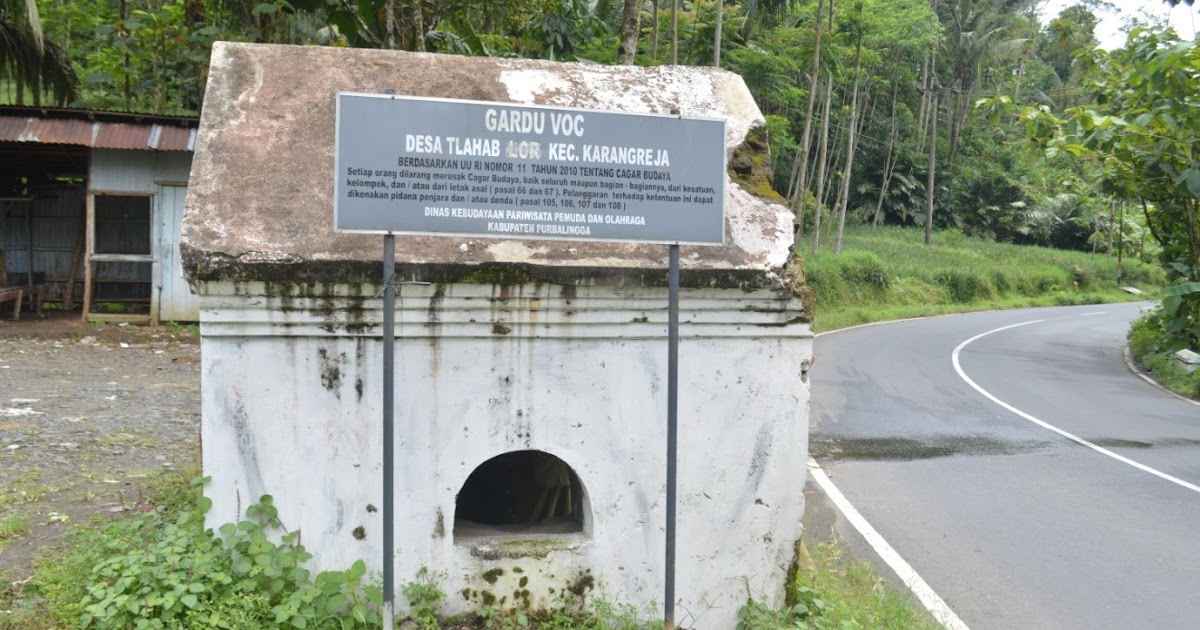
[
  {"x": 1143, "y": 129},
  {"x": 30, "y": 62},
  {"x": 798, "y": 187},
  {"x": 674, "y": 32},
  {"x": 932, "y": 175},
  {"x": 720, "y": 4},
  {"x": 1066, "y": 37},
  {"x": 630, "y": 23}
]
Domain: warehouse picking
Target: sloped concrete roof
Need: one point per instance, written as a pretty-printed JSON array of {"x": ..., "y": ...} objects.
[{"x": 260, "y": 200}]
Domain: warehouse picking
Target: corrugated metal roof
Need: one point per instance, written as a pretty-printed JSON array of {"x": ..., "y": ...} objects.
[{"x": 98, "y": 135}]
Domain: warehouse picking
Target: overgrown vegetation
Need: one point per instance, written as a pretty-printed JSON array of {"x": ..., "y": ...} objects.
[
  {"x": 829, "y": 592},
  {"x": 1141, "y": 129},
  {"x": 888, "y": 273},
  {"x": 1153, "y": 346},
  {"x": 163, "y": 569}
]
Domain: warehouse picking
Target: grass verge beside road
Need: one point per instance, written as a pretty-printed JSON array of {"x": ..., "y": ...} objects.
[
  {"x": 1154, "y": 349},
  {"x": 160, "y": 568},
  {"x": 889, "y": 273}
]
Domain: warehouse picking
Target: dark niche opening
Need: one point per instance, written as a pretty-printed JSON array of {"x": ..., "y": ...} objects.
[{"x": 520, "y": 492}]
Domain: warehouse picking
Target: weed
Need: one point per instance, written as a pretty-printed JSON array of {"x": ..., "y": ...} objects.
[
  {"x": 425, "y": 599},
  {"x": 827, "y": 592},
  {"x": 13, "y": 527},
  {"x": 1153, "y": 347},
  {"x": 164, "y": 569}
]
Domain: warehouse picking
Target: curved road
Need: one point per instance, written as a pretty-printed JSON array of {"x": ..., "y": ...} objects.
[{"x": 1013, "y": 524}]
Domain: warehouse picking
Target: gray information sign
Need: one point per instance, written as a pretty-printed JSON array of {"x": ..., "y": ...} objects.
[{"x": 436, "y": 166}]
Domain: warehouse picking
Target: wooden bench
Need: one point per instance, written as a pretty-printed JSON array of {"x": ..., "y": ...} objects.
[
  {"x": 13, "y": 294},
  {"x": 36, "y": 293}
]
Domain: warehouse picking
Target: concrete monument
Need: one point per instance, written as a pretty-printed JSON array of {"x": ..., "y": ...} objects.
[{"x": 530, "y": 379}]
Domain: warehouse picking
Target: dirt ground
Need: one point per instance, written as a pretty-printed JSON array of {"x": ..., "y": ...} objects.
[{"x": 88, "y": 415}]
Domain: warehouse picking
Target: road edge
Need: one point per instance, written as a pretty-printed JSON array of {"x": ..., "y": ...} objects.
[
  {"x": 921, "y": 590},
  {"x": 1130, "y": 363}
]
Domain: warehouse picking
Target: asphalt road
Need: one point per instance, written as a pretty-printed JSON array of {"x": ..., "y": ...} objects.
[{"x": 1013, "y": 524}]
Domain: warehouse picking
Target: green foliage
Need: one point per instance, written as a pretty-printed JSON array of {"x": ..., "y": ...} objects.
[
  {"x": 163, "y": 569},
  {"x": 425, "y": 599},
  {"x": 829, "y": 592},
  {"x": 31, "y": 65},
  {"x": 1142, "y": 131},
  {"x": 13, "y": 526},
  {"x": 888, "y": 272},
  {"x": 1153, "y": 345}
]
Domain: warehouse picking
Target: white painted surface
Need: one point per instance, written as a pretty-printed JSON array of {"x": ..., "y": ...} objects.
[
  {"x": 291, "y": 390},
  {"x": 913, "y": 580},
  {"x": 1046, "y": 425},
  {"x": 176, "y": 301}
]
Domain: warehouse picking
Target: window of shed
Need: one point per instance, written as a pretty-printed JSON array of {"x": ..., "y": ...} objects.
[
  {"x": 123, "y": 224},
  {"x": 520, "y": 492}
]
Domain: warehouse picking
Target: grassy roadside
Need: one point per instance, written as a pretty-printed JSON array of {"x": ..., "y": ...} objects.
[
  {"x": 159, "y": 569},
  {"x": 888, "y": 273},
  {"x": 1153, "y": 349}
]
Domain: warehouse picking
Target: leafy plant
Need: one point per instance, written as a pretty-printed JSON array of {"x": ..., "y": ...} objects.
[
  {"x": 424, "y": 600},
  {"x": 185, "y": 575}
]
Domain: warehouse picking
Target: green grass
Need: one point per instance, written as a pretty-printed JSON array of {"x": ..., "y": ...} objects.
[
  {"x": 825, "y": 591},
  {"x": 1154, "y": 350},
  {"x": 889, "y": 273},
  {"x": 828, "y": 591},
  {"x": 12, "y": 527}
]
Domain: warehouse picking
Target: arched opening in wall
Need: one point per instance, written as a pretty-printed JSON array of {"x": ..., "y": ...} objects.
[{"x": 521, "y": 492}]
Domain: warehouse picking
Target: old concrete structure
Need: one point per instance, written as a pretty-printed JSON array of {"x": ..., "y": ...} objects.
[{"x": 506, "y": 351}]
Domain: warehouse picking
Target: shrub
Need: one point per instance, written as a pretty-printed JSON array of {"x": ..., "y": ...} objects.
[
  {"x": 165, "y": 570},
  {"x": 1153, "y": 346},
  {"x": 965, "y": 286},
  {"x": 864, "y": 269}
]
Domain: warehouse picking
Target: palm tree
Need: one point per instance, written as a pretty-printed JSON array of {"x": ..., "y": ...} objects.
[{"x": 27, "y": 61}]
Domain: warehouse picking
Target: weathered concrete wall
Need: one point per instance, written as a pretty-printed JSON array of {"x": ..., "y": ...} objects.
[
  {"x": 291, "y": 407},
  {"x": 261, "y": 196}
]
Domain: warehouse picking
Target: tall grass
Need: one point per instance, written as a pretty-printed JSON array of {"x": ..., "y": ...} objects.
[{"x": 889, "y": 272}]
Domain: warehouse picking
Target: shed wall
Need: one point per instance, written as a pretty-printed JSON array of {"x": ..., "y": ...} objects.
[{"x": 163, "y": 175}]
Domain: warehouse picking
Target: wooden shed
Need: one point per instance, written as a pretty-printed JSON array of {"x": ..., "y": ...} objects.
[{"x": 90, "y": 210}]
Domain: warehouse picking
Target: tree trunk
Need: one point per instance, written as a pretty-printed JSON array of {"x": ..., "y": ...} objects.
[
  {"x": 1112, "y": 225},
  {"x": 418, "y": 26},
  {"x": 751, "y": 15},
  {"x": 675, "y": 32},
  {"x": 823, "y": 152},
  {"x": 931, "y": 91},
  {"x": 654, "y": 34},
  {"x": 889, "y": 163},
  {"x": 844, "y": 194},
  {"x": 125, "y": 60},
  {"x": 924, "y": 99},
  {"x": 627, "y": 50},
  {"x": 1120, "y": 242},
  {"x": 796, "y": 192},
  {"x": 389, "y": 23},
  {"x": 932, "y": 171},
  {"x": 717, "y": 36}
]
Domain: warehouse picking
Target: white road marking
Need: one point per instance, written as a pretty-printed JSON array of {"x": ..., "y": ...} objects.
[
  {"x": 1046, "y": 425},
  {"x": 920, "y": 588},
  {"x": 1094, "y": 313},
  {"x": 885, "y": 322}
]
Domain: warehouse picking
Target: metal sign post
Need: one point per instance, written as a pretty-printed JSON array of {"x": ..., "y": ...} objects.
[
  {"x": 672, "y": 428},
  {"x": 389, "y": 404}
]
